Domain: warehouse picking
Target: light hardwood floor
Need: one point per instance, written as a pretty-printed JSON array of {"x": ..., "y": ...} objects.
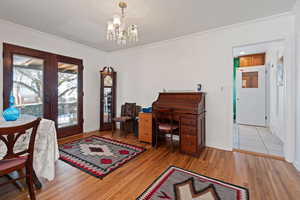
[{"x": 264, "y": 177}]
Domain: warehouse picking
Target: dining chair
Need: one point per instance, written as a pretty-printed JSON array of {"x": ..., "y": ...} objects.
[
  {"x": 165, "y": 124},
  {"x": 17, "y": 161},
  {"x": 127, "y": 118}
]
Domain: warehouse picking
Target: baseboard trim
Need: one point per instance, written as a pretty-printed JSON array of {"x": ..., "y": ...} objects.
[
  {"x": 259, "y": 154},
  {"x": 297, "y": 165}
]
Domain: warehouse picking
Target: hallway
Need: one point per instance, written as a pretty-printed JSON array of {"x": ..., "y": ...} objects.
[{"x": 257, "y": 139}]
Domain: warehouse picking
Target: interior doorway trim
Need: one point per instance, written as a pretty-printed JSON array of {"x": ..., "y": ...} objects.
[{"x": 289, "y": 97}]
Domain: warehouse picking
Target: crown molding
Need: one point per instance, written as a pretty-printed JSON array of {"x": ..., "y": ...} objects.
[
  {"x": 153, "y": 44},
  {"x": 203, "y": 33}
]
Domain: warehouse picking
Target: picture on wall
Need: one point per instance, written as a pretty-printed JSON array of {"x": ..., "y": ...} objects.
[{"x": 280, "y": 72}]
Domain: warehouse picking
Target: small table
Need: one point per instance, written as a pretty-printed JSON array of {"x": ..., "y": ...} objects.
[{"x": 45, "y": 149}]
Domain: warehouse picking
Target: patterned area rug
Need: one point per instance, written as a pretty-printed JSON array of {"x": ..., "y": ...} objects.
[
  {"x": 179, "y": 184},
  {"x": 98, "y": 156}
]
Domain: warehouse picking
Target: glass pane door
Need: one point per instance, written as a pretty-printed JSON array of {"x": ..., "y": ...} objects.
[
  {"x": 28, "y": 84},
  {"x": 107, "y": 105},
  {"x": 45, "y": 85},
  {"x": 67, "y": 95}
]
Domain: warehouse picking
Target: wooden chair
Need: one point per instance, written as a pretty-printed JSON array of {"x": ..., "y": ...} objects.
[
  {"x": 18, "y": 161},
  {"x": 126, "y": 120},
  {"x": 165, "y": 124}
]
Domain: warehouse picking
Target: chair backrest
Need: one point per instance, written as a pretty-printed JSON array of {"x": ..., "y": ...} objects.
[
  {"x": 129, "y": 109},
  {"x": 163, "y": 116},
  {"x": 10, "y": 136},
  {"x": 138, "y": 109}
]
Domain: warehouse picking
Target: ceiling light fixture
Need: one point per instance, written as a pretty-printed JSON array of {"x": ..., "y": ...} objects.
[{"x": 118, "y": 31}]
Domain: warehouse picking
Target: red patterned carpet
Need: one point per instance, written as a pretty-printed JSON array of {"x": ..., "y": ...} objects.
[
  {"x": 97, "y": 155},
  {"x": 179, "y": 184}
]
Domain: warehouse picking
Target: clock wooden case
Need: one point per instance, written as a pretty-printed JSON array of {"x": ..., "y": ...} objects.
[{"x": 107, "y": 97}]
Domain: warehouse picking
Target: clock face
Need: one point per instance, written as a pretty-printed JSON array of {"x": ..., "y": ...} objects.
[{"x": 108, "y": 80}]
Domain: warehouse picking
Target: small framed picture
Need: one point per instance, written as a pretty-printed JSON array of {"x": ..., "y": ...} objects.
[{"x": 280, "y": 72}]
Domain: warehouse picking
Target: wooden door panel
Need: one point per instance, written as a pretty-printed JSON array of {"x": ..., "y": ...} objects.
[{"x": 49, "y": 82}]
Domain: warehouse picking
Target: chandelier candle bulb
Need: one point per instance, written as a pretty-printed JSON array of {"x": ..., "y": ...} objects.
[
  {"x": 110, "y": 30},
  {"x": 110, "y": 26},
  {"x": 118, "y": 31},
  {"x": 117, "y": 20}
]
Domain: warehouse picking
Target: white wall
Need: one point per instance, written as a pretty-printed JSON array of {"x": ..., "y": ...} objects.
[
  {"x": 93, "y": 60},
  {"x": 297, "y": 24},
  {"x": 181, "y": 63}
]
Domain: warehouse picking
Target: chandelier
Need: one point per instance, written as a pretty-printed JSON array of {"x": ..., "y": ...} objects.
[{"x": 118, "y": 31}]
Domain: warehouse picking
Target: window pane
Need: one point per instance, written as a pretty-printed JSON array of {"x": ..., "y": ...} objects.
[
  {"x": 250, "y": 79},
  {"x": 107, "y": 105},
  {"x": 28, "y": 84},
  {"x": 67, "y": 95}
]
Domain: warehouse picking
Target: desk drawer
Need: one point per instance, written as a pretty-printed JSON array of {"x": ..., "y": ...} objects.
[
  {"x": 188, "y": 130},
  {"x": 145, "y": 127},
  {"x": 188, "y": 144},
  {"x": 188, "y": 121},
  {"x": 146, "y": 121},
  {"x": 145, "y": 116},
  {"x": 145, "y": 135}
]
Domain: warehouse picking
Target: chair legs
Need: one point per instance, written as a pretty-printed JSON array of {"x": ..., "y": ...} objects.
[
  {"x": 22, "y": 181},
  {"x": 112, "y": 129},
  {"x": 124, "y": 128},
  {"x": 171, "y": 140},
  {"x": 29, "y": 181}
]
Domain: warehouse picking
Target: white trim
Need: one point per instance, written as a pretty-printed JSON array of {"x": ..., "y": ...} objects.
[
  {"x": 297, "y": 165},
  {"x": 290, "y": 102},
  {"x": 290, "y": 114}
]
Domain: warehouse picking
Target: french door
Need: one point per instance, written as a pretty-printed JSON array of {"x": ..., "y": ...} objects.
[{"x": 44, "y": 85}]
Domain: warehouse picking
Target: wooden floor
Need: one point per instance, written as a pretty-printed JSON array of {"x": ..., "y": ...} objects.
[{"x": 264, "y": 177}]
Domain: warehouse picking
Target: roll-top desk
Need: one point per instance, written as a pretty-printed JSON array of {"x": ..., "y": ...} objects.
[{"x": 189, "y": 111}]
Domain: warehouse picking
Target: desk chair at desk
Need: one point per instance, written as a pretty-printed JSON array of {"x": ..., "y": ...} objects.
[
  {"x": 189, "y": 110},
  {"x": 165, "y": 124}
]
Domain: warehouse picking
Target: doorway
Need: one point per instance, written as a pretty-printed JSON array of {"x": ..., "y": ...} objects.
[
  {"x": 44, "y": 85},
  {"x": 251, "y": 95},
  {"x": 258, "y": 98}
]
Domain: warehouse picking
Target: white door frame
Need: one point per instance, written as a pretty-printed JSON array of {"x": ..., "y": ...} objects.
[{"x": 289, "y": 97}]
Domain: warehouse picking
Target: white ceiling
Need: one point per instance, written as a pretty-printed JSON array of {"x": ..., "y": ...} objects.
[{"x": 84, "y": 21}]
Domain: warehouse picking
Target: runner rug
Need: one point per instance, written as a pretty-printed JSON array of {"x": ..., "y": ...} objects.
[
  {"x": 179, "y": 184},
  {"x": 98, "y": 156}
]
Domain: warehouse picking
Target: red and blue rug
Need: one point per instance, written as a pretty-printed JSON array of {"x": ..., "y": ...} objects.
[
  {"x": 97, "y": 155},
  {"x": 179, "y": 184}
]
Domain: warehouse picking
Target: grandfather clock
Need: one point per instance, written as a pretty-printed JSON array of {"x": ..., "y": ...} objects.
[{"x": 107, "y": 97}]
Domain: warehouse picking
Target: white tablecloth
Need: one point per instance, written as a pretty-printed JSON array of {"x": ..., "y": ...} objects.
[{"x": 46, "y": 147}]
